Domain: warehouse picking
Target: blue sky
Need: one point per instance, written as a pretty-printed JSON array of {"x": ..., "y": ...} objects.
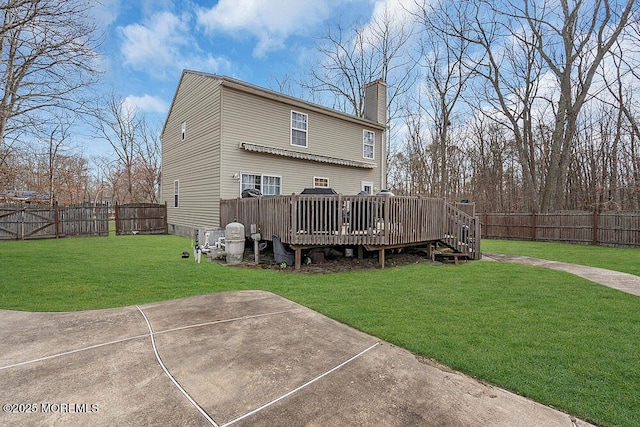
[{"x": 147, "y": 43}]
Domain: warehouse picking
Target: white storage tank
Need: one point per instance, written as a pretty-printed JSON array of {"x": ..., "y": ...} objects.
[{"x": 234, "y": 242}]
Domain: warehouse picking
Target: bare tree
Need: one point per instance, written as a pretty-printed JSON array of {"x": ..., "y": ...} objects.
[
  {"x": 55, "y": 143},
  {"x": 519, "y": 45},
  {"x": 106, "y": 174},
  {"x": 118, "y": 125},
  {"x": 147, "y": 167},
  {"x": 73, "y": 179},
  {"x": 510, "y": 72},
  {"x": 52, "y": 169},
  {"x": 572, "y": 38},
  {"x": 410, "y": 167},
  {"x": 444, "y": 79},
  {"x": 623, "y": 92},
  {"x": 352, "y": 58},
  {"x": 491, "y": 153},
  {"x": 349, "y": 59},
  {"x": 48, "y": 49},
  {"x": 136, "y": 147}
]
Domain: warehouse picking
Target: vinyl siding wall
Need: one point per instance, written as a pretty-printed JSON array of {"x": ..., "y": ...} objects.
[
  {"x": 195, "y": 162},
  {"x": 257, "y": 120}
]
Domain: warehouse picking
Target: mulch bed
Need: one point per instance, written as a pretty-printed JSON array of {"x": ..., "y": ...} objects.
[{"x": 334, "y": 260}]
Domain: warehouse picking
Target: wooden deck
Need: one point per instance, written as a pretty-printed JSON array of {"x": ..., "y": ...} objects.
[{"x": 373, "y": 222}]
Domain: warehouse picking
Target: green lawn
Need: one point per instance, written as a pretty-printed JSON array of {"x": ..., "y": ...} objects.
[
  {"x": 626, "y": 260},
  {"x": 545, "y": 334}
]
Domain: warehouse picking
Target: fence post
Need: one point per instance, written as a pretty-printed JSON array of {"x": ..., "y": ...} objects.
[
  {"x": 594, "y": 239},
  {"x": 21, "y": 219},
  {"x": 533, "y": 226},
  {"x": 486, "y": 227},
  {"x": 235, "y": 217},
  {"x": 116, "y": 216},
  {"x": 166, "y": 220},
  {"x": 56, "y": 219}
]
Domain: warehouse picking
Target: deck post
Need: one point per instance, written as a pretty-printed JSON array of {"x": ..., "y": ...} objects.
[
  {"x": 381, "y": 257},
  {"x": 293, "y": 203},
  {"x": 477, "y": 252},
  {"x": 386, "y": 208},
  {"x": 298, "y": 252},
  {"x": 340, "y": 216}
]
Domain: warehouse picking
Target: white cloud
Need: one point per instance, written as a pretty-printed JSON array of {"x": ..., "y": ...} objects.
[
  {"x": 271, "y": 22},
  {"x": 155, "y": 44},
  {"x": 149, "y": 7},
  {"x": 397, "y": 13},
  {"x": 105, "y": 12},
  {"x": 208, "y": 63},
  {"x": 145, "y": 104},
  {"x": 163, "y": 43},
  {"x": 397, "y": 9}
]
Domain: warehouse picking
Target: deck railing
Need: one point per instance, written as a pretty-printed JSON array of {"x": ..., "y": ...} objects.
[
  {"x": 370, "y": 221},
  {"x": 462, "y": 231}
]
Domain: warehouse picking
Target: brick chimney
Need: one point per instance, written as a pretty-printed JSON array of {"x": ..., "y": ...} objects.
[{"x": 375, "y": 102}]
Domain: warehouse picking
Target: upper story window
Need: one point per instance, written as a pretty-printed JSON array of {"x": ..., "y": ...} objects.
[
  {"x": 183, "y": 134},
  {"x": 368, "y": 141},
  {"x": 298, "y": 129},
  {"x": 320, "y": 182}
]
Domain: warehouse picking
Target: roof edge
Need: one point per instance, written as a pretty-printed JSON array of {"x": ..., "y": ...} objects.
[{"x": 281, "y": 97}]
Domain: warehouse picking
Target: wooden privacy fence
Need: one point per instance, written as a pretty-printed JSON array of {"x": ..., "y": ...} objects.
[
  {"x": 141, "y": 218},
  {"x": 19, "y": 222},
  {"x": 371, "y": 221},
  {"x": 595, "y": 228}
]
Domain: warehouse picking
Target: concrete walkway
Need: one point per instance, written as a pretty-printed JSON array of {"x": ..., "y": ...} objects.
[
  {"x": 614, "y": 279},
  {"x": 238, "y": 358}
]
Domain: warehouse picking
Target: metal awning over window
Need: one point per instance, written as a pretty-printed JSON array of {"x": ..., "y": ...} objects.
[{"x": 306, "y": 156}]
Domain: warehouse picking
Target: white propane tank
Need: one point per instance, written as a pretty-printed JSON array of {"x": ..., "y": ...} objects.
[{"x": 234, "y": 242}]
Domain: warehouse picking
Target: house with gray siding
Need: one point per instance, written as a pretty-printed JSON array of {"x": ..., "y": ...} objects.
[{"x": 223, "y": 136}]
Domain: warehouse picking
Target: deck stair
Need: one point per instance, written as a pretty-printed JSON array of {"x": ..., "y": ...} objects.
[{"x": 441, "y": 251}]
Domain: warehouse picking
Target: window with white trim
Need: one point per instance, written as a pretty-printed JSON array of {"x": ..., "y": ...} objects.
[
  {"x": 183, "y": 134},
  {"x": 320, "y": 182},
  {"x": 176, "y": 193},
  {"x": 271, "y": 185},
  {"x": 298, "y": 129},
  {"x": 368, "y": 141},
  {"x": 268, "y": 185},
  {"x": 367, "y": 186}
]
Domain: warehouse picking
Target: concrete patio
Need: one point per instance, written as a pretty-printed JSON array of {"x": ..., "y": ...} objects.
[{"x": 241, "y": 358}]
